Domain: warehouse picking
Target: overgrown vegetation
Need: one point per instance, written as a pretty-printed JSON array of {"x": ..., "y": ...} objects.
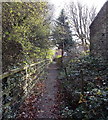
[
  {"x": 26, "y": 30},
  {"x": 28, "y": 38},
  {"x": 86, "y": 93},
  {"x": 25, "y": 39}
]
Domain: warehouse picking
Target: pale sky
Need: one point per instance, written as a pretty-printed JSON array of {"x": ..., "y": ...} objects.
[{"x": 59, "y": 4}]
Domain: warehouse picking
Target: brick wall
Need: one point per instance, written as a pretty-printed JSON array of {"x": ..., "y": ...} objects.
[{"x": 99, "y": 34}]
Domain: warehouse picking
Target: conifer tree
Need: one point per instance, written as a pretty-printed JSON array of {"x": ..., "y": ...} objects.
[{"x": 62, "y": 34}]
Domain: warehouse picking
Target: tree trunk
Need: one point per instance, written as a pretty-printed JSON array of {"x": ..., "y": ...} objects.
[{"x": 62, "y": 55}]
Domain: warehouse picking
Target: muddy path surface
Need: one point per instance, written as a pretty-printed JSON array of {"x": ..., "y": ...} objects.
[{"x": 47, "y": 107}]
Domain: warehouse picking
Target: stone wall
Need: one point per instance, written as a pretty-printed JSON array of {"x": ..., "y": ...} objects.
[{"x": 99, "y": 34}]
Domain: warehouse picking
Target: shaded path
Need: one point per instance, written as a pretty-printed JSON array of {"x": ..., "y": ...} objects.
[
  {"x": 45, "y": 103},
  {"x": 47, "y": 107}
]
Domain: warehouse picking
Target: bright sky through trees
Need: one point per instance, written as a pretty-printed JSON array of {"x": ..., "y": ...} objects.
[{"x": 59, "y": 4}]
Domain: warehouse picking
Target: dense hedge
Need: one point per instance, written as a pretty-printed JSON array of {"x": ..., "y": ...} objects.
[{"x": 26, "y": 30}]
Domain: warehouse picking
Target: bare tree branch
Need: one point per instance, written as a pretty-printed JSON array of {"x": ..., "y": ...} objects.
[{"x": 81, "y": 18}]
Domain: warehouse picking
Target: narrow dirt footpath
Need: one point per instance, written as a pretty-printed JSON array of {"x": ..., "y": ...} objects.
[{"x": 47, "y": 104}]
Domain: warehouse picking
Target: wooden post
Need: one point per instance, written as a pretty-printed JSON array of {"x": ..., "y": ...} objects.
[
  {"x": 82, "y": 82},
  {"x": 66, "y": 73}
]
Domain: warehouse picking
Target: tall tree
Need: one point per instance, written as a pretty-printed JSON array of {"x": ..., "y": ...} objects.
[
  {"x": 81, "y": 17},
  {"x": 62, "y": 33}
]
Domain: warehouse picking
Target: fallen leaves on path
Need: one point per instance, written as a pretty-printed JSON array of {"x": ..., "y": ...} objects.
[
  {"x": 45, "y": 103},
  {"x": 29, "y": 107}
]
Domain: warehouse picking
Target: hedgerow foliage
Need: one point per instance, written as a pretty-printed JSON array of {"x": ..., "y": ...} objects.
[{"x": 26, "y": 28}]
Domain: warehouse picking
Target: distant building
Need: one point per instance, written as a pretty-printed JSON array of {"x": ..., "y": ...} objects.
[{"x": 99, "y": 34}]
